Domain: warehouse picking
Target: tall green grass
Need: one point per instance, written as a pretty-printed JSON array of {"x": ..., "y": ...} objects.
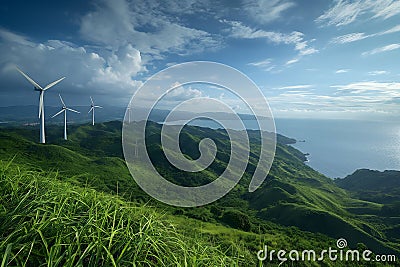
[{"x": 45, "y": 222}]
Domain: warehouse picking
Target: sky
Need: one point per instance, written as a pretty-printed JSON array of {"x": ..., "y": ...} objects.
[{"x": 311, "y": 59}]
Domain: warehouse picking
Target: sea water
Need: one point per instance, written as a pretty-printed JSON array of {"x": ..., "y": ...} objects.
[{"x": 338, "y": 147}]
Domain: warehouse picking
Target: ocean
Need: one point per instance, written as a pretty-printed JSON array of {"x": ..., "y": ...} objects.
[{"x": 338, "y": 147}]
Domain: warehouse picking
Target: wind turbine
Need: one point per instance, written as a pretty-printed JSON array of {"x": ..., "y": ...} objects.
[
  {"x": 37, "y": 87},
  {"x": 92, "y": 107},
  {"x": 128, "y": 110},
  {"x": 64, "y": 109}
]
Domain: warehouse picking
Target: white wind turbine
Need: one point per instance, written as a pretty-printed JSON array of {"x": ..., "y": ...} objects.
[
  {"x": 128, "y": 110},
  {"x": 37, "y": 87},
  {"x": 92, "y": 107},
  {"x": 64, "y": 109}
]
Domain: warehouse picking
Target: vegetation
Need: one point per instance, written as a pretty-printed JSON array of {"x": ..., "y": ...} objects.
[
  {"x": 74, "y": 203},
  {"x": 382, "y": 187},
  {"x": 48, "y": 222}
]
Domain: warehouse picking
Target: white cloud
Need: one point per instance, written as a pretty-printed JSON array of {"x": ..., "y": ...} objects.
[
  {"x": 291, "y": 87},
  {"x": 378, "y": 72},
  {"x": 370, "y": 87},
  {"x": 382, "y": 49},
  {"x": 181, "y": 93},
  {"x": 239, "y": 30},
  {"x": 344, "y": 12},
  {"x": 386, "y": 8},
  {"x": 349, "y": 38},
  {"x": 108, "y": 23},
  {"x": 15, "y": 38},
  {"x": 292, "y": 61},
  {"x": 366, "y": 97},
  {"x": 392, "y": 30},
  {"x": 266, "y": 11},
  {"x": 357, "y": 36},
  {"x": 103, "y": 72},
  {"x": 118, "y": 22},
  {"x": 119, "y": 69},
  {"x": 265, "y": 65},
  {"x": 342, "y": 71}
]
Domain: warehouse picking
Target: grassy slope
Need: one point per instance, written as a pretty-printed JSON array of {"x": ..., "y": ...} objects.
[
  {"x": 48, "y": 222},
  {"x": 294, "y": 194},
  {"x": 381, "y": 187},
  {"x": 44, "y": 221}
]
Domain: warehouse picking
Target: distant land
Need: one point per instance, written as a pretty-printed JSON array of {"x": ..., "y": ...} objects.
[
  {"x": 335, "y": 148},
  {"x": 17, "y": 115},
  {"x": 371, "y": 185}
]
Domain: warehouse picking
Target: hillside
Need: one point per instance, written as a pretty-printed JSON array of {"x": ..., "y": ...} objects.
[
  {"x": 47, "y": 221},
  {"x": 382, "y": 187},
  {"x": 296, "y": 207}
]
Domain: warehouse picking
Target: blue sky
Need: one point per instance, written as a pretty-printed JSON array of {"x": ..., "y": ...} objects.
[{"x": 329, "y": 59}]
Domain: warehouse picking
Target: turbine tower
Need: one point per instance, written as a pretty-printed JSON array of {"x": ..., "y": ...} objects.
[
  {"x": 92, "y": 107},
  {"x": 64, "y": 109},
  {"x": 37, "y": 87},
  {"x": 128, "y": 110}
]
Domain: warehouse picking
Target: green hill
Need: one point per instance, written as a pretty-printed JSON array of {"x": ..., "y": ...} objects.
[
  {"x": 295, "y": 208},
  {"x": 376, "y": 186}
]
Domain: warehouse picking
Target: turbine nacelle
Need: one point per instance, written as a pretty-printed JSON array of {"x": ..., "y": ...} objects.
[{"x": 64, "y": 108}]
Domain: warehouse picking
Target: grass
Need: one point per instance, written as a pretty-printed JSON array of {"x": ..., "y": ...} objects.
[
  {"x": 87, "y": 177},
  {"x": 45, "y": 222}
]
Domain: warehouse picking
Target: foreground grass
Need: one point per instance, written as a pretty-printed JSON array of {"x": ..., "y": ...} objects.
[{"x": 45, "y": 222}]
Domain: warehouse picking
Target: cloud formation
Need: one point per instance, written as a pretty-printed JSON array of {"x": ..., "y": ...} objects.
[
  {"x": 342, "y": 71},
  {"x": 265, "y": 64},
  {"x": 344, "y": 12},
  {"x": 386, "y": 88},
  {"x": 357, "y": 36},
  {"x": 378, "y": 72},
  {"x": 379, "y": 50},
  {"x": 148, "y": 26},
  {"x": 110, "y": 73},
  {"x": 369, "y": 97},
  {"x": 121, "y": 39},
  {"x": 266, "y": 11},
  {"x": 292, "y": 87},
  {"x": 240, "y": 31}
]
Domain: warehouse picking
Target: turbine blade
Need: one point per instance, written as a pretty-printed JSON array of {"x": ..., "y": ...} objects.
[
  {"x": 40, "y": 103},
  {"x": 91, "y": 100},
  {"x": 29, "y": 79},
  {"x": 53, "y": 83},
  {"x": 98, "y": 106},
  {"x": 58, "y": 113},
  {"x": 73, "y": 110},
  {"x": 90, "y": 109},
  {"x": 62, "y": 100}
]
